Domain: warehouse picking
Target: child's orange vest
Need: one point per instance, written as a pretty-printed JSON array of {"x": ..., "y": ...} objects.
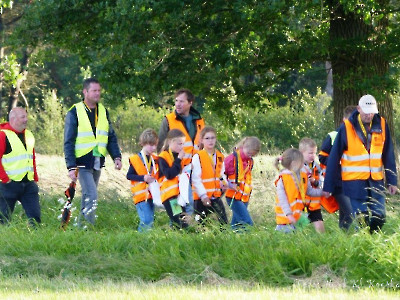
[
  {"x": 314, "y": 203},
  {"x": 293, "y": 195},
  {"x": 210, "y": 175},
  {"x": 139, "y": 189},
  {"x": 242, "y": 179},
  {"x": 169, "y": 188}
]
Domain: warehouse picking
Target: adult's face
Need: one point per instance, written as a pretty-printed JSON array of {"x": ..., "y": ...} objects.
[
  {"x": 365, "y": 118},
  {"x": 182, "y": 105},
  {"x": 92, "y": 94},
  {"x": 18, "y": 118}
]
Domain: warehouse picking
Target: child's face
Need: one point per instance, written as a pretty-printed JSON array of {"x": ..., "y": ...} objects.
[
  {"x": 309, "y": 154},
  {"x": 176, "y": 144},
  {"x": 209, "y": 141},
  {"x": 149, "y": 149},
  {"x": 249, "y": 152},
  {"x": 296, "y": 165}
]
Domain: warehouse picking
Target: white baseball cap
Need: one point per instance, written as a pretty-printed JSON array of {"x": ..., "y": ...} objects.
[{"x": 367, "y": 104}]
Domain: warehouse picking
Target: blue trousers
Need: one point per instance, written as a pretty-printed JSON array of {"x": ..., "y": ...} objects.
[
  {"x": 145, "y": 210},
  {"x": 25, "y": 192},
  {"x": 89, "y": 180},
  {"x": 240, "y": 214}
]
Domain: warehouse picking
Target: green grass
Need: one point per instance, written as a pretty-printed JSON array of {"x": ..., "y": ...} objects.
[{"x": 113, "y": 256}]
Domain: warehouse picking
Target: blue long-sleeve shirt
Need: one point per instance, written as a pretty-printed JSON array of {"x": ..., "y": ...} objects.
[{"x": 358, "y": 188}]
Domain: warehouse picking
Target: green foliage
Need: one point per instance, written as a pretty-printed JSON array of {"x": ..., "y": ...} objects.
[
  {"x": 10, "y": 69},
  {"x": 130, "y": 119},
  {"x": 47, "y": 124}
]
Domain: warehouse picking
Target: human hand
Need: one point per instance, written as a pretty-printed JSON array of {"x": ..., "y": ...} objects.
[
  {"x": 149, "y": 178},
  {"x": 181, "y": 154},
  {"x": 392, "y": 189},
  {"x": 118, "y": 163},
  {"x": 292, "y": 219},
  {"x": 206, "y": 201},
  {"x": 326, "y": 194},
  {"x": 72, "y": 174}
]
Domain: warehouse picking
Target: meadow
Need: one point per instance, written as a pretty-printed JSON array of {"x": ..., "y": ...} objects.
[{"x": 112, "y": 259}]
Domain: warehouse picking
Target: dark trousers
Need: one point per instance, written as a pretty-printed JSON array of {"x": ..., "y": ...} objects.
[
  {"x": 216, "y": 207},
  {"x": 25, "y": 192},
  {"x": 176, "y": 220},
  {"x": 345, "y": 210}
]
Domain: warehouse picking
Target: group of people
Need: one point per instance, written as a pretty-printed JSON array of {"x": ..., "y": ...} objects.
[
  {"x": 356, "y": 160},
  {"x": 189, "y": 175}
]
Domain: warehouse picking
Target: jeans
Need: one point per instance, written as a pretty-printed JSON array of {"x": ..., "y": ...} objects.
[
  {"x": 89, "y": 180},
  {"x": 240, "y": 214},
  {"x": 372, "y": 209},
  {"x": 25, "y": 192},
  {"x": 189, "y": 208},
  {"x": 345, "y": 210},
  {"x": 145, "y": 210}
]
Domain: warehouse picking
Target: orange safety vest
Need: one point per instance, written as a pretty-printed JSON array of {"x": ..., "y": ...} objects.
[
  {"x": 242, "y": 179},
  {"x": 357, "y": 163},
  {"x": 210, "y": 174},
  {"x": 314, "y": 203},
  {"x": 139, "y": 189},
  {"x": 190, "y": 146},
  {"x": 293, "y": 195},
  {"x": 169, "y": 188}
]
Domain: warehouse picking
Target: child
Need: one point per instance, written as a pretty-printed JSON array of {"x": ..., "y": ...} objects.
[
  {"x": 208, "y": 178},
  {"x": 170, "y": 162},
  {"x": 292, "y": 186},
  {"x": 238, "y": 166},
  {"x": 143, "y": 170},
  {"x": 308, "y": 148}
]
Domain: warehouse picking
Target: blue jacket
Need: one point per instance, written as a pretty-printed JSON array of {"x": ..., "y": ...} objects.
[
  {"x": 357, "y": 189},
  {"x": 70, "y": 133}
]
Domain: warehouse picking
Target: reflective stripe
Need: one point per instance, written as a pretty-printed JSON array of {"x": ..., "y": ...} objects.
[
  {"x": 16, "y": 158},
  {"x": 84, "y": 134},
  {"x": 376, "y": 156},
  {"x": 209, "y": 180},
  {"x": 102, "y": 132},
  {"x": 102, "y": 145},
  {"x": 82, "y": 146},
  {"x": 356, "y": 169},
  {"x": 355, "y": 157},
  {"x": 139, "y": 192},
  {"x": 187, "y": 144},
  {"x": 377, "y": 169},
  {"x": 169, "y": 188},
  {"x": 19, "y": 171}
]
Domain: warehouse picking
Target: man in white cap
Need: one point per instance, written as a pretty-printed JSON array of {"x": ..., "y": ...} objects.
[{"x": 363, "y": 148}]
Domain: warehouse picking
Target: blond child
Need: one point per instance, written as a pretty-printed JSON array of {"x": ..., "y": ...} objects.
[
  {"x": 292, "y": 186},
  {"x": 308, "y": 148},
  {"x": 143, "y": 171},
  {"x": 208, "y": 178},
  {"x": 238, "y": 167},
  {"x": 170, "y": 163}
]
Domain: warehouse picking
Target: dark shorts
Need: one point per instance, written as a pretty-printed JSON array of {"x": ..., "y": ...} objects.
[{"x": 315, "y": 215}]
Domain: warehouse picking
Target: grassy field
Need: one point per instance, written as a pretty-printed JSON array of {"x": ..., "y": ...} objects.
[{"x": 113, "y": 259}]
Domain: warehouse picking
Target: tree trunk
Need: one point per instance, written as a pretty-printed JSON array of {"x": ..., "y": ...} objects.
[{"x": 358, "y": 66}]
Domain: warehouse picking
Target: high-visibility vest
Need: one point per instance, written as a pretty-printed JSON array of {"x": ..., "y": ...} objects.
[
  {"x": 293, "y": 196},
  {"x": 140, "y": 189},
  {"x": 210, "y": 174},
  {"x": 357, "y": 163},
  {"x": 190, "y": 146},
  {"x": 86, "y": 141},
  {"x": 242, "y": 179},
  {"x": 169, "y": 188},
  {"x": 314, "y": 203},
  {"x": 19, "y": 162}
]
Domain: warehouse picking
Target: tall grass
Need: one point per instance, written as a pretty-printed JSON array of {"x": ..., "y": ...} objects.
[{"x": 114, "y": 250}]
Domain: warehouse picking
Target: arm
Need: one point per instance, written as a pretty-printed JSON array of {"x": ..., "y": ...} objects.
[
  {"x": 35, "y": 175},
  {"x": 335, "y": 156},
  {"x": 162, "y": 134},
  {"x": 112, "y": 146},
  {"x": 3, "y": 175},
  {"x": 196, "y": 177},
  {"x": 132, "y": 175},
  {"x": 283, "y": 201},
  {"x": 388, "y": 159},
  {"x": 325, "y": 150},
  {"x": 167, "y": 171},
  {"x": 70, "y": 133}
]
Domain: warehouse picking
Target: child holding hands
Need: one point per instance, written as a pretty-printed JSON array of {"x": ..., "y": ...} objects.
[
  {"x": 170, "y": 162},
  {"x": 143, "y": 171},
  {"x": 208, "y": 178},
  {"x": 292, "y": 186},
  {"x": 238, "y": 167}
]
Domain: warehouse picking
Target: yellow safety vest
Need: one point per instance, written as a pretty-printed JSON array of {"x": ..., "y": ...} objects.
[
  {"x": 85, "y": 140},
  {"x": 19, "y": 161}
]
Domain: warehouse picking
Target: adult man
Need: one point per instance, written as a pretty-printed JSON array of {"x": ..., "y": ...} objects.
[
  {"x": 88, "y": 136},
  {"x": 364, "y": 148},
  {"x": 18, "y": 168},
  {"x": 345, "y": 209},
  {"x": 188, "y": 120}
]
